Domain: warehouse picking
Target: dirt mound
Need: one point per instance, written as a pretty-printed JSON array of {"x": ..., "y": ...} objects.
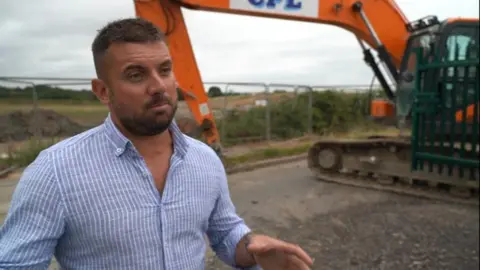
[{"x": 21, "y": 125}]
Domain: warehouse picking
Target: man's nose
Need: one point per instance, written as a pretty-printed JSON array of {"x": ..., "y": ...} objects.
[{"x": 156, "y": 84}]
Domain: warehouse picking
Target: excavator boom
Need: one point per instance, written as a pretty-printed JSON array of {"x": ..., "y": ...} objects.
[
  {"x": 366, "y": 20},
  {"x": 342, "y": 13}
]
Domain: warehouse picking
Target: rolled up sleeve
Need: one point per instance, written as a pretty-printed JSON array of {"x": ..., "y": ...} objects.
[
  {"x": 35, "y": 220},
  {"x": 226, "y": 228}
]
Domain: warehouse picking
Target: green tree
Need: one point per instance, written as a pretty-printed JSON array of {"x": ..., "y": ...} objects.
[{"x": 214, "y": 91}]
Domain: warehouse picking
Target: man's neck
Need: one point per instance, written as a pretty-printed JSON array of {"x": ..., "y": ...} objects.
[
  {"x": 153, "y": 145},
  {"x": 149, "y": 146}
]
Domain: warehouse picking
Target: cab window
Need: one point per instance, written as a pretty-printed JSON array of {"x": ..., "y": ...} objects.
[{"x": 460, "y": 45}]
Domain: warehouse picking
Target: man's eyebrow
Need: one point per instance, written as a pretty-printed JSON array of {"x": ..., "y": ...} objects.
[
  {"x": 166, "y": 63},
  {"x": 134, "y": 66}
]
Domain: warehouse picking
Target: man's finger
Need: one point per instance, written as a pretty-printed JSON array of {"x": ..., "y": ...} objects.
[
  {"x": 295, "y": 263},
  {"x": 297, "y": 251},
  {"x": 262, "y": 244}
]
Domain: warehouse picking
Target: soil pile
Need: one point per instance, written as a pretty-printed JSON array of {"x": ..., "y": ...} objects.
[{"x": 20, "y": 125}]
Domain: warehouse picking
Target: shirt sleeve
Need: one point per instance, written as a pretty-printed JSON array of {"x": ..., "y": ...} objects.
[
  {"x": 226, "y": 228},
  {"x": 35, "y": 220}
]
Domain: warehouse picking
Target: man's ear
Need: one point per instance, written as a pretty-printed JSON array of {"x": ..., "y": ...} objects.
[{"x": 100, "y": 90}]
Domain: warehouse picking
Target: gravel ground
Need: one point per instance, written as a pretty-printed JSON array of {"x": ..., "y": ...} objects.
[{"x": 351, "y": 228}]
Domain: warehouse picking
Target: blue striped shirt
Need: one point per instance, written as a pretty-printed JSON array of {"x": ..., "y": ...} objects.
[{"x": 91, "y": 202}]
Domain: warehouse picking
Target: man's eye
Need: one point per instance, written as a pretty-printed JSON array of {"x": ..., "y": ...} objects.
[
  {"x": 134, "y": 76},
  {"x": 166, "y": 70}
]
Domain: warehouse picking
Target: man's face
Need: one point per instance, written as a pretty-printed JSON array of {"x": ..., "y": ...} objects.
[{"x": 139, "y": 87}]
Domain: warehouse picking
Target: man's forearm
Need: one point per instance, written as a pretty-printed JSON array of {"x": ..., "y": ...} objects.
[{"x": 242, "y": 257}]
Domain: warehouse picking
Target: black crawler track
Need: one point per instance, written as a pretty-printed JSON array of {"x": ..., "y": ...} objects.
[{"x": 384, "y": 163}]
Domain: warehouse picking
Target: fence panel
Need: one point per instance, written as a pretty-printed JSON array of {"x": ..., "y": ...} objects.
[
  {"x": 290, "y": 111},
  {"x": 33, "y": 115},
  {"x": 239, "y": 112},
  {"x": 445, "y": 116},
  {"x": 340, "y": 109},
  {"x": 245, "y": 112}
]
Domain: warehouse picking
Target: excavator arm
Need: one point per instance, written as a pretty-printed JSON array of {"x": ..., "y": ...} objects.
[
  {"x": 379, "y": 23},
  {"x": 168, "y": 16}
]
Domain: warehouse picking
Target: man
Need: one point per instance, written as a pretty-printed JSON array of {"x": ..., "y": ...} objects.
[{"x": 134, "y": 192}]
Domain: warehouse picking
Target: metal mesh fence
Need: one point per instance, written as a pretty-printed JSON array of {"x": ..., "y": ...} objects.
[{"x": 33, "y": 109}]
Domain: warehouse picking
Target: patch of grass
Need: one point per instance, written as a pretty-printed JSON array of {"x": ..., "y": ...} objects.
[
  {"x": 85, "y": 113},
  {"x": 267, "y": 153},
  {"x": 28, "y": 152}
]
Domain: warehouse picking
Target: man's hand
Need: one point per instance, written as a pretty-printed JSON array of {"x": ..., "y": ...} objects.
[{"x": 274, "y": 254}]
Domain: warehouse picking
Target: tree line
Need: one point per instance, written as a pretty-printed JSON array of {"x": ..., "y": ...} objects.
[{"x": 45, "y": 92}]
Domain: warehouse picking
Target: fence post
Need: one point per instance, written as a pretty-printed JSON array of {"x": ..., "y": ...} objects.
[
  {"x": 310, "y": 110},
  {"x": 267, "y": 113},
  {"x": 36, "y": 128},
  {"x": 223, "y": 136},
  {"x": 295, "y": 99}
]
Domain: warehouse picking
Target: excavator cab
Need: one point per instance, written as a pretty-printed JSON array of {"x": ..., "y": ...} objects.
[
  {"x": 447, "y": 41},
  {"x": 425, "y": 39},
  {"x": 452, "y": 40},
  {"x": 397, "y": 107}
]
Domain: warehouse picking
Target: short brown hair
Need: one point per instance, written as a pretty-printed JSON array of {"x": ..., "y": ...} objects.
[{"x": 136, "y": 30}]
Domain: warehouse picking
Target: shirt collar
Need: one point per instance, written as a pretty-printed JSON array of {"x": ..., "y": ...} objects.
[{"x": 121, "y": 142}]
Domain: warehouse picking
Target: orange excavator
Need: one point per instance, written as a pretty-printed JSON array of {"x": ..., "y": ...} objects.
[{"x": 428, "y": 70}]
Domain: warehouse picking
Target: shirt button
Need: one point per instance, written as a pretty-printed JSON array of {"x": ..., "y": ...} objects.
[
  {"x": 145, "y": 174},
  {"x": 119, "y": 150}
]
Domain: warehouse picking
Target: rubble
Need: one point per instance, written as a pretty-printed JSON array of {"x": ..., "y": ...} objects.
[{"x": 22, "y": 125}]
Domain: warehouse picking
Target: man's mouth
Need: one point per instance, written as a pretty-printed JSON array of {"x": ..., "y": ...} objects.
[
  {"x": 160, "y": 102},
  {"x": 159, "y": 106}
]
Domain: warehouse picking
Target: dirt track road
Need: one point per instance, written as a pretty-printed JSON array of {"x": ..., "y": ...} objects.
[{"x": 350, "y": 228}]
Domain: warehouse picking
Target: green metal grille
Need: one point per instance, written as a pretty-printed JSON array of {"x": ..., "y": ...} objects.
[{"x": 443, "y": 87}]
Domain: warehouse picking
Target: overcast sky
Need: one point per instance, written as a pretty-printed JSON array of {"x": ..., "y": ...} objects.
[{"x": 53, "y": 37}]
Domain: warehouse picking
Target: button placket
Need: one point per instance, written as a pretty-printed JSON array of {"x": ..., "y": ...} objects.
[{"x": 144, "y": 174}]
